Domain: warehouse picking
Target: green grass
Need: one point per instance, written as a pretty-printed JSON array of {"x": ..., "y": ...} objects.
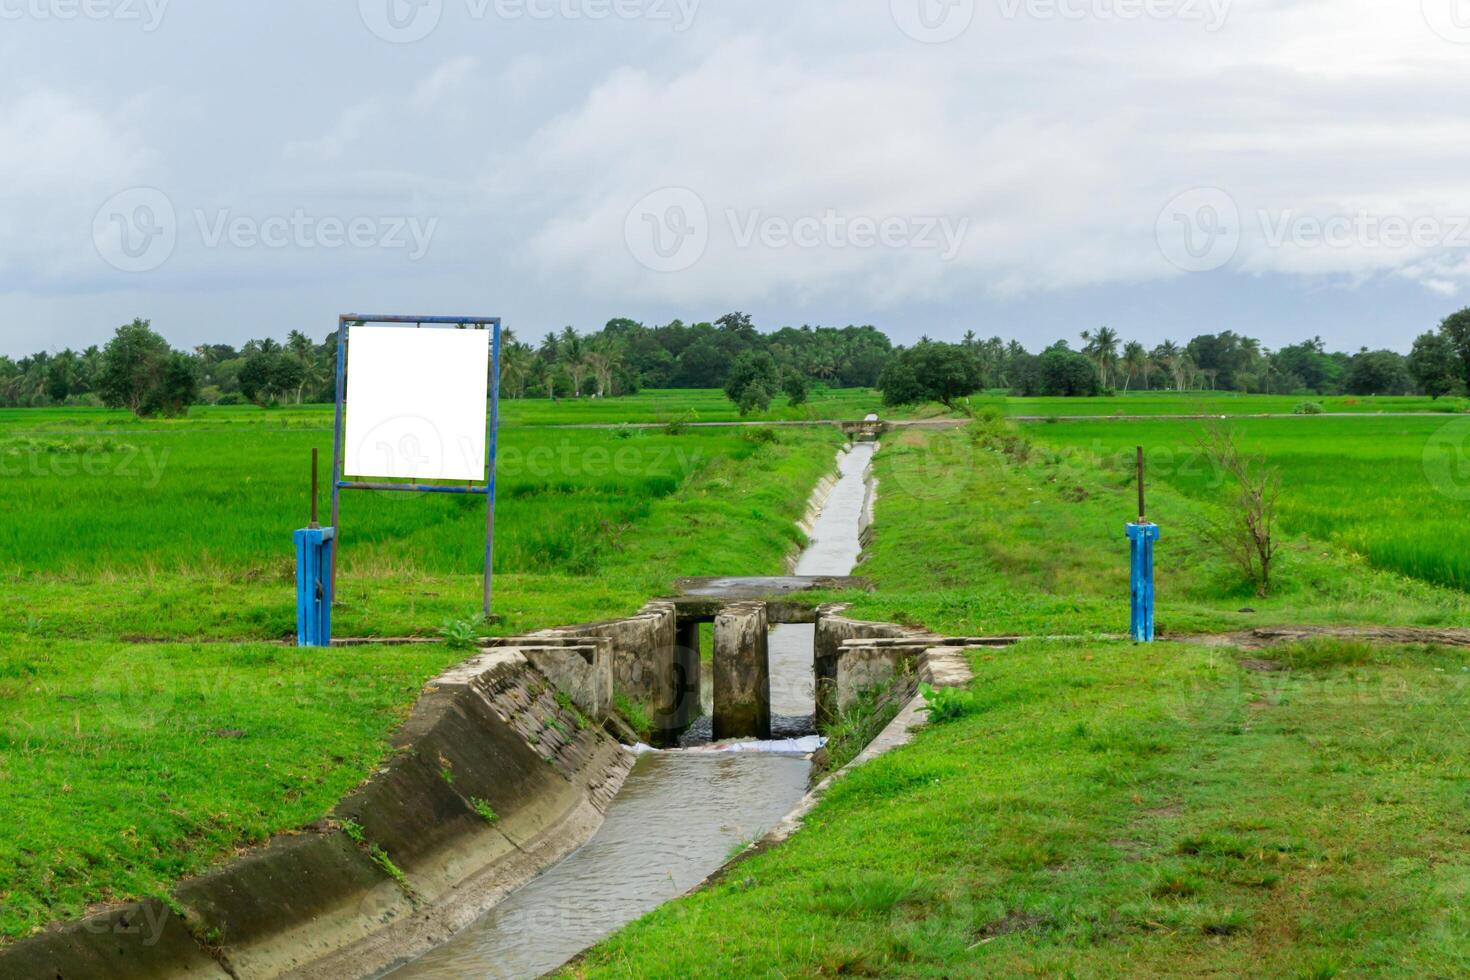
[
  {"x": 1395, "y": 491},
  {"x": 1112, "y": 810}
]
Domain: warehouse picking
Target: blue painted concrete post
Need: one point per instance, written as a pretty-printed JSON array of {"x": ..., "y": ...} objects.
[
  {"x": 1142, "y": 537},
  {"x": 314, "y": 586}
]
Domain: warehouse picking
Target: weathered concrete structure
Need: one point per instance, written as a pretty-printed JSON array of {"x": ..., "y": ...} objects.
[
  {"x": 643, "y": 651},
  {"x": 742, "y": 673},
  {"x": 853, "y": 656},
  {"x": 489, "y": 782},
  {"x": 836, "y": 681}
]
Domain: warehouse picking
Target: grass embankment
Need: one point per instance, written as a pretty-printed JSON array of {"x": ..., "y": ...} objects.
[
  {"x": 1104, "y": 808},
  {"x": 129, "y": 758},
  {"x": 1396, "y": 491}
]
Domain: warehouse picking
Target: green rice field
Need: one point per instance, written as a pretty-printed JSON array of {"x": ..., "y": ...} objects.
[{"x": 1394, "y": 490}]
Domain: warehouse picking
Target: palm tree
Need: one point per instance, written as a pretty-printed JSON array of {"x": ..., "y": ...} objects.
[
  {"x": 1175, "y": 361},
  {"x": 603, "y": 356},
  {"x": 1102, "y": 347},
  {"x": 574, "y": 356},
  {"x": 300, "y": 347},
  {"x": 1135, "y": 360}
]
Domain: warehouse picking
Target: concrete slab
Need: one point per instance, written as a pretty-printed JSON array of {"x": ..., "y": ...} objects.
[{"x": 735, "y": 589}]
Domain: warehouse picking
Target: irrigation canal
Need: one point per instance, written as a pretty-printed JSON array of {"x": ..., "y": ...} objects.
[{"x": 680, "y": 813}]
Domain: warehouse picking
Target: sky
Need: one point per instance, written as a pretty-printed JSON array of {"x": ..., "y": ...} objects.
[{"x": 1022, "y": 168}]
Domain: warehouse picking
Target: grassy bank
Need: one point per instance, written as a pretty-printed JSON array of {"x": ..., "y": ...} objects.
[{"x": 146, "y": 730}]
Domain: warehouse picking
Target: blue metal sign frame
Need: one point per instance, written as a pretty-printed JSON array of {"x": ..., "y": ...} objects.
[{"x": 339, "y": 482}]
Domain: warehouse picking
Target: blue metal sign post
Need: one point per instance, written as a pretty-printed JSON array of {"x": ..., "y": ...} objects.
[
  {"x": 1141, "y": 536},
  {"x": 339, "y": 482}
]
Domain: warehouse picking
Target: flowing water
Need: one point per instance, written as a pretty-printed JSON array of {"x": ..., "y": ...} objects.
[{"x": 678, "y": 816}]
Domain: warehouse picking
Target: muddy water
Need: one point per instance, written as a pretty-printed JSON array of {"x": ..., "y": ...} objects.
[{"x": 679, "y": 814}]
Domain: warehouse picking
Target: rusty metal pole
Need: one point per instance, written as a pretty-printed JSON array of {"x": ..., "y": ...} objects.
[
  {"x": 314, "y": 489},
  {"x": 1142, "y": 510}
]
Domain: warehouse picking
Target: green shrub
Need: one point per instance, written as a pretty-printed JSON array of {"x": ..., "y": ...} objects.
[
  {"x": 763, "y": 436},
  {"x": 460, "y": 634},
  {"x": 1307, "y": 408},
  {"x": 949, "y": 703}
]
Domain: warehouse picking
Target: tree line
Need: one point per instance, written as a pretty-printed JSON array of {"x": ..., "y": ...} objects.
[
  {"x": 1104, "y": 363},
  {"x": 140, "y": 371}
]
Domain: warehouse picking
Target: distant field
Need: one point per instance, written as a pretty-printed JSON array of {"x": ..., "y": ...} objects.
[
  {"x": 1395, "y": 490},
  {"x": 1213, "y": 403},
  {"x": 687, "y": 405}
]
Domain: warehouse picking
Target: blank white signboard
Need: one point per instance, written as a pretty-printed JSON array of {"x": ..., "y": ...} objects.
[{"x": 417, "y": 403}]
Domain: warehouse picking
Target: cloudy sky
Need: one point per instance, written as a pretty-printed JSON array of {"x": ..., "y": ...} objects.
[{"x": 1028, "y": 168}]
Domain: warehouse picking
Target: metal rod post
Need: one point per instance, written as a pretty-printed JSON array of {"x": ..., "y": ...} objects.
[
  {"x": 314, "y": 490},
  {"x": 337, "y": 452},
  {"x": 1142, "y": 511},
  {"x": 494, "y": 446}
]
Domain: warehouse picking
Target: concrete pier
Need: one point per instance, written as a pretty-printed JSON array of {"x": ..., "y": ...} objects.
[{"x": 742, "y": 673}]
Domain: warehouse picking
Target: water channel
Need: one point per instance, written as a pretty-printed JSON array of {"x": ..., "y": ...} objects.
[{"x": 680, "y": 813}]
